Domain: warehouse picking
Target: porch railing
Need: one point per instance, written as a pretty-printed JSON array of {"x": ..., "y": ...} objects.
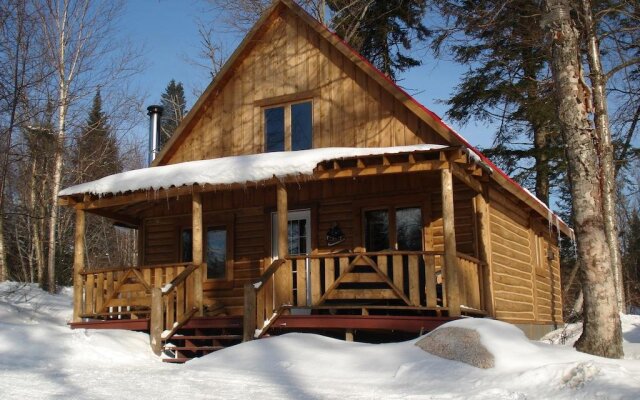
[
  {"x": 169, "y": 295},
  {"x": 386, "y": 280}
]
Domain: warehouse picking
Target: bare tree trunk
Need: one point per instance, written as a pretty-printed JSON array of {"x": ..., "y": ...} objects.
[
  {"x": 17, "y": 81},
  {"x": 55, "y": 188},
  {"x": 4, "y": 271},
  {"x": 608, "y": 178},
  {"x": 36, "y": 241},
  {"x": 601, "y": 324}
]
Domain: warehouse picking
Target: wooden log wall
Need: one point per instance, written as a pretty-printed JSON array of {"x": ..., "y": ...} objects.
[
  {"x": 343, "y": 201},
  {"x": 526, "y": 283},
  {"x": 291, "y": 62}
]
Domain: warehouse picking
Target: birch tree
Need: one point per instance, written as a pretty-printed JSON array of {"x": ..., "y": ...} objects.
[
  {"x": 77, "y": 35},
  {"x": 602, "y": 333}
]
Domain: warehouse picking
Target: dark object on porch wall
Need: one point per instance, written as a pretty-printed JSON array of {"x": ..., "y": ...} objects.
[{"x": 335, "y": 235}]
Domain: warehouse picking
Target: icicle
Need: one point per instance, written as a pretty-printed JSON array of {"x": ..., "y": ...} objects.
[{"x": 575, "y": 244}]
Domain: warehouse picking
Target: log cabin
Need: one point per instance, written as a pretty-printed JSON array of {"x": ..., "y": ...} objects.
[{"x": 305, "y": 191}]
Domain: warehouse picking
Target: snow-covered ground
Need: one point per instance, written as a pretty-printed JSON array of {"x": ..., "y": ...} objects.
[{"x": 41, "y": 358}]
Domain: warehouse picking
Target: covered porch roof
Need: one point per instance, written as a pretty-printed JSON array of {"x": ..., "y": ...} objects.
[{"x": 121, "y": 196}]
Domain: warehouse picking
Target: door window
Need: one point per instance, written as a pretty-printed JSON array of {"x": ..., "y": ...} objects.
[{"x": 298, "y": 233}]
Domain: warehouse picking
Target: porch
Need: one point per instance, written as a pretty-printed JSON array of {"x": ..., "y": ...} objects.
[
  {"x": 350, "y": 286},
  {"x": 305, "y": 292}
]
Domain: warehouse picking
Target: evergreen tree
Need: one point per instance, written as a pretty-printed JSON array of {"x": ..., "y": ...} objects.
[
  {"x": 507, "y": 84},
  {"x": 382, "y": 31},
  {"x": 97, "y": 148},
  {"x": 175, "y": 108}
]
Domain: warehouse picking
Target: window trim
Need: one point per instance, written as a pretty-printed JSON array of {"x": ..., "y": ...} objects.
[
  {"x": 226, "y": 224},
  {"x": 286, "y": 105},
  {"x": 391, "y": 210}
]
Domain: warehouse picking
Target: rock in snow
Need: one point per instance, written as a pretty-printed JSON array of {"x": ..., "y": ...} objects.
[{"x": 458, "y": 344}]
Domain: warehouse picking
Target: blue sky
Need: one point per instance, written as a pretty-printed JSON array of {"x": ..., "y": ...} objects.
[{"x": 169, "y": 33}]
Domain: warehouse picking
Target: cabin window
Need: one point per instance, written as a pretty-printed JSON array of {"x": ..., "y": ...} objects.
[
  {"x": 289, "y": 127},
  {"x": 216, "y": 254},
  {"x": 376, "y": 237},
  {"x": 393, "y": 228},
  {"x": 301, "y": 126},
  {"x": 186, "y": 245},
  {"x": 216, "y": 250},
  {"x": 274, "y": 128},
  {"x": 409, "y": 228}
]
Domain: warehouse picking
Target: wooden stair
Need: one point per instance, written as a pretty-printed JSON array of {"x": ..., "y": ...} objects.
[{"x": 197, "y": 339}]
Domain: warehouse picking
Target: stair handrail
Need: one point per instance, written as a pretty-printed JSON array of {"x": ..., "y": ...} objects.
[
  {"x": 158, "y": 331},
  {"x": 251, "y": 292}
]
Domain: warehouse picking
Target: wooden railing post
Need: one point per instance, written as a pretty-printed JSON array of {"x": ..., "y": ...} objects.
[
  {"x": 249, "y": 319},
  {"x": 197, "y": 248},
  {"x": 156, "y": 323},
  {"x": 450, "y": 252},
  {"x": 78, "y": 264}
]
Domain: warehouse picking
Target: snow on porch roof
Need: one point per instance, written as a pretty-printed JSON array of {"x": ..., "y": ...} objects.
[{"x": 229, "y": 170}]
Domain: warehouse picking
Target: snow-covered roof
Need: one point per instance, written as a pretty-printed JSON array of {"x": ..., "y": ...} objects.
[{"x": 230, "y": 170}]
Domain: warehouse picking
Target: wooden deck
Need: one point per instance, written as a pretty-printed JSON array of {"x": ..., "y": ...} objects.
[
  {"x": 395, "y": 283},
  {"x": 338, "y": 293},
  {"x": 290, "y": 323}
]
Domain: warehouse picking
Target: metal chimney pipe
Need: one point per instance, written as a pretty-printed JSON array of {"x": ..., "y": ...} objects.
[{"x": 155, "y": 114}]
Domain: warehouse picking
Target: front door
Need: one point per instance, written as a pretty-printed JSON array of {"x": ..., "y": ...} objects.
[{"x": 298, "y": 238}]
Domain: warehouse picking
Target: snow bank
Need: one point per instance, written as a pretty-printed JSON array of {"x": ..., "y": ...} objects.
[
  {"x": 41, "y": 358},
  {"x": 568, "y": 335},
  {"x": 229, "y": 170}
]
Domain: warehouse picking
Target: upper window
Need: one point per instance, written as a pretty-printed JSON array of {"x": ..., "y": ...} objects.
[
  {"x": 289, "y": 127},
  {"x": 274, "y": 128}
]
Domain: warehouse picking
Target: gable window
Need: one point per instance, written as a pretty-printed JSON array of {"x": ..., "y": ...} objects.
[
  {"x": 274, "y": 128},
  {"x": 289, "y": 127},
  {"x": 393, "y": 228}
]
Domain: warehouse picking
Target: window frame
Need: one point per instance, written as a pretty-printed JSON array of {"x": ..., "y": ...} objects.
[
  {"x": 219, "y": 224},
  {"x": 393, "y": 234},
  {"x": 288, "y": 133}
]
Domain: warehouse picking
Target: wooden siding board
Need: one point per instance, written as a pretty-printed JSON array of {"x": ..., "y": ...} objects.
[{"x": 350, "y": 108}]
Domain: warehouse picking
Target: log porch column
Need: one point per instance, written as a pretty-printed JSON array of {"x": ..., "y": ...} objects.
[
  {"x": 450, "y": 251},
  {"x": 484, "y": 251},
  {"x": 78, "y": 264},
  {"x": 282, "y": 280},
  {"x": 283, "y": 221},
  {"x": 198, "y": 257}
]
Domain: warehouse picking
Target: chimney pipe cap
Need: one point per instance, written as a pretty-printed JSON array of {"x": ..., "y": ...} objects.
[{"x": 154, "y": 109}]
